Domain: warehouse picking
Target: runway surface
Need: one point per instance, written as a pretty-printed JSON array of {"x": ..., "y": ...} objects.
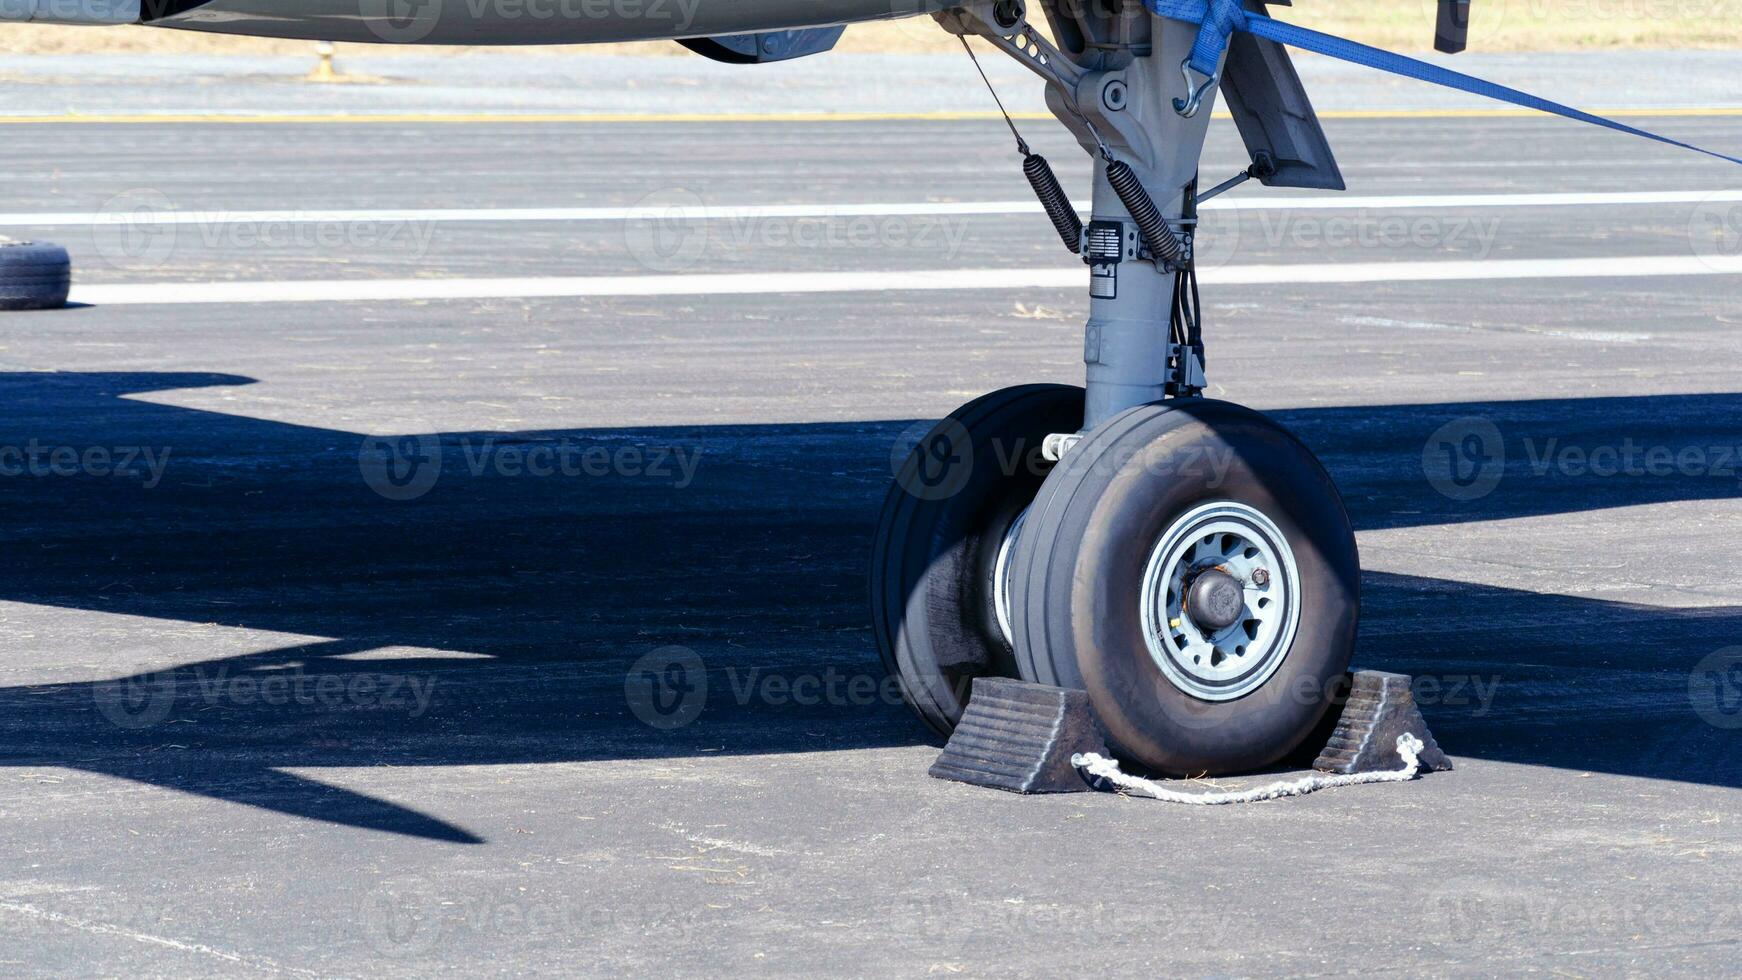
[{"x": 270, "y": 706}]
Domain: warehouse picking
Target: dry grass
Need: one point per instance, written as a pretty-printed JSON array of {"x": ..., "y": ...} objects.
[
  {"x": 1496, "y": 25},
  {"x": 1534, "y": 25}
]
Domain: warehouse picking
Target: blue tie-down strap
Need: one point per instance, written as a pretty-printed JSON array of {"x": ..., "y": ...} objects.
[
  {"x": 1216, "y": 19},
  {"x": 1220, "y": 19}
]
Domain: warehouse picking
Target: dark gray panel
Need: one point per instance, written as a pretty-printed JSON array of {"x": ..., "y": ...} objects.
[{"x": 1274, "y": 115}]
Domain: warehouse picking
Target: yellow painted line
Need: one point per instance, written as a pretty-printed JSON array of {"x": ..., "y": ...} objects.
[{"x": 592, "y": 118}]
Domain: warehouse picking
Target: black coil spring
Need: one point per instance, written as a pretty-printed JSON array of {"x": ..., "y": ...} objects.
[
  {"x": 1053, "y": 200},
  {"x": 1162, "y": 242}
]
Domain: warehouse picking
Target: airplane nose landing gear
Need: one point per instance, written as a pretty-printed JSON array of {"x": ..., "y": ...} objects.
[{"x": 1186, "y": 562}]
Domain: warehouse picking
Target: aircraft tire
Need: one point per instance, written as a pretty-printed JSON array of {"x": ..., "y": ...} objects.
[
  {"x": 1190, "y": 564},
  {"x": 33, "y": 276},
  {"x": 941, "y": 534}
]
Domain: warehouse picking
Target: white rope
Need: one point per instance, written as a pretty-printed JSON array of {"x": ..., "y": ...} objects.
[{"x": 1408, "y": 746}]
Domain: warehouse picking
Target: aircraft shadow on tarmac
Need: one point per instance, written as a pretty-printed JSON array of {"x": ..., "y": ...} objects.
[{"x": 503, "y": 616}]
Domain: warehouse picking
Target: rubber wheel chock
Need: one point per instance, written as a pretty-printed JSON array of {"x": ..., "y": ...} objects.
[
  {"x": 1380, "y": 707},
  {"x": 1019, "y": 737}
]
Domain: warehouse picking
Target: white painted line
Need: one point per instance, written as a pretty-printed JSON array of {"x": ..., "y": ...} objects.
[
  {"x": 1407, "y": 202},
  {"x": 664, "y": 211},
  {"x": 99, "y": 928},
  {"x": 134, "y": 216},
  {"x": 329, "y": 290},
  {"x": 1600, "y": 268}
]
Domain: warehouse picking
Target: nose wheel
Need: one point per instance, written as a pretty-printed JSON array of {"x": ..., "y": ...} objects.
[
  {"x": 943, "y": 544},
  {"x": 1190, "y": 565},
  {"x": 1187, "y": 562}
]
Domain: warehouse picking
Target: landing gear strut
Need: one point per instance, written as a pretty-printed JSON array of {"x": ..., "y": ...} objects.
[{"x": 1185, "y": 561}]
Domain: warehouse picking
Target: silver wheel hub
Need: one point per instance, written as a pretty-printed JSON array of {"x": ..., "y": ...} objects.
[{"x": 1220, "y": 601}]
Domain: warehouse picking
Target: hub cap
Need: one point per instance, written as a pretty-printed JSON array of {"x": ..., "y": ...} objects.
[{"x": 1220, "y": 601}]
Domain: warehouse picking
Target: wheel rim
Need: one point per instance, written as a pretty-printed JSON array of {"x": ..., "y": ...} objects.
[
  {"x": 1221, "y": 663},
  {"x": 1001, "y": 577}
]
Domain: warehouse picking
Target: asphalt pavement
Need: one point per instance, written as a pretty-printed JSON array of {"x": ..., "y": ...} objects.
[{"x": 333, "y": 628}]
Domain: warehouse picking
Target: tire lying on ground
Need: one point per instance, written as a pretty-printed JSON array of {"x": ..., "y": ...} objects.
[{"x": 33, "y": 276}]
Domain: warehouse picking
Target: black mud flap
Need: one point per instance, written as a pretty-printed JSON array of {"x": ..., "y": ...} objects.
[
  {"x": 756, "y": 49},
  {"x": 1274, "y": 116}
]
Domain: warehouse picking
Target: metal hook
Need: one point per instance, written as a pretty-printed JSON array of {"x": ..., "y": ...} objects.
[{"x": 1188, "y": 107}]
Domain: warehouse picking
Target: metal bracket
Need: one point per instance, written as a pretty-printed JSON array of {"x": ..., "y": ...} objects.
[
  {"x": 1185, "y": 370},
  {"x": 1056, "y": 444},
  {"x": 1006, "y": 28}
]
